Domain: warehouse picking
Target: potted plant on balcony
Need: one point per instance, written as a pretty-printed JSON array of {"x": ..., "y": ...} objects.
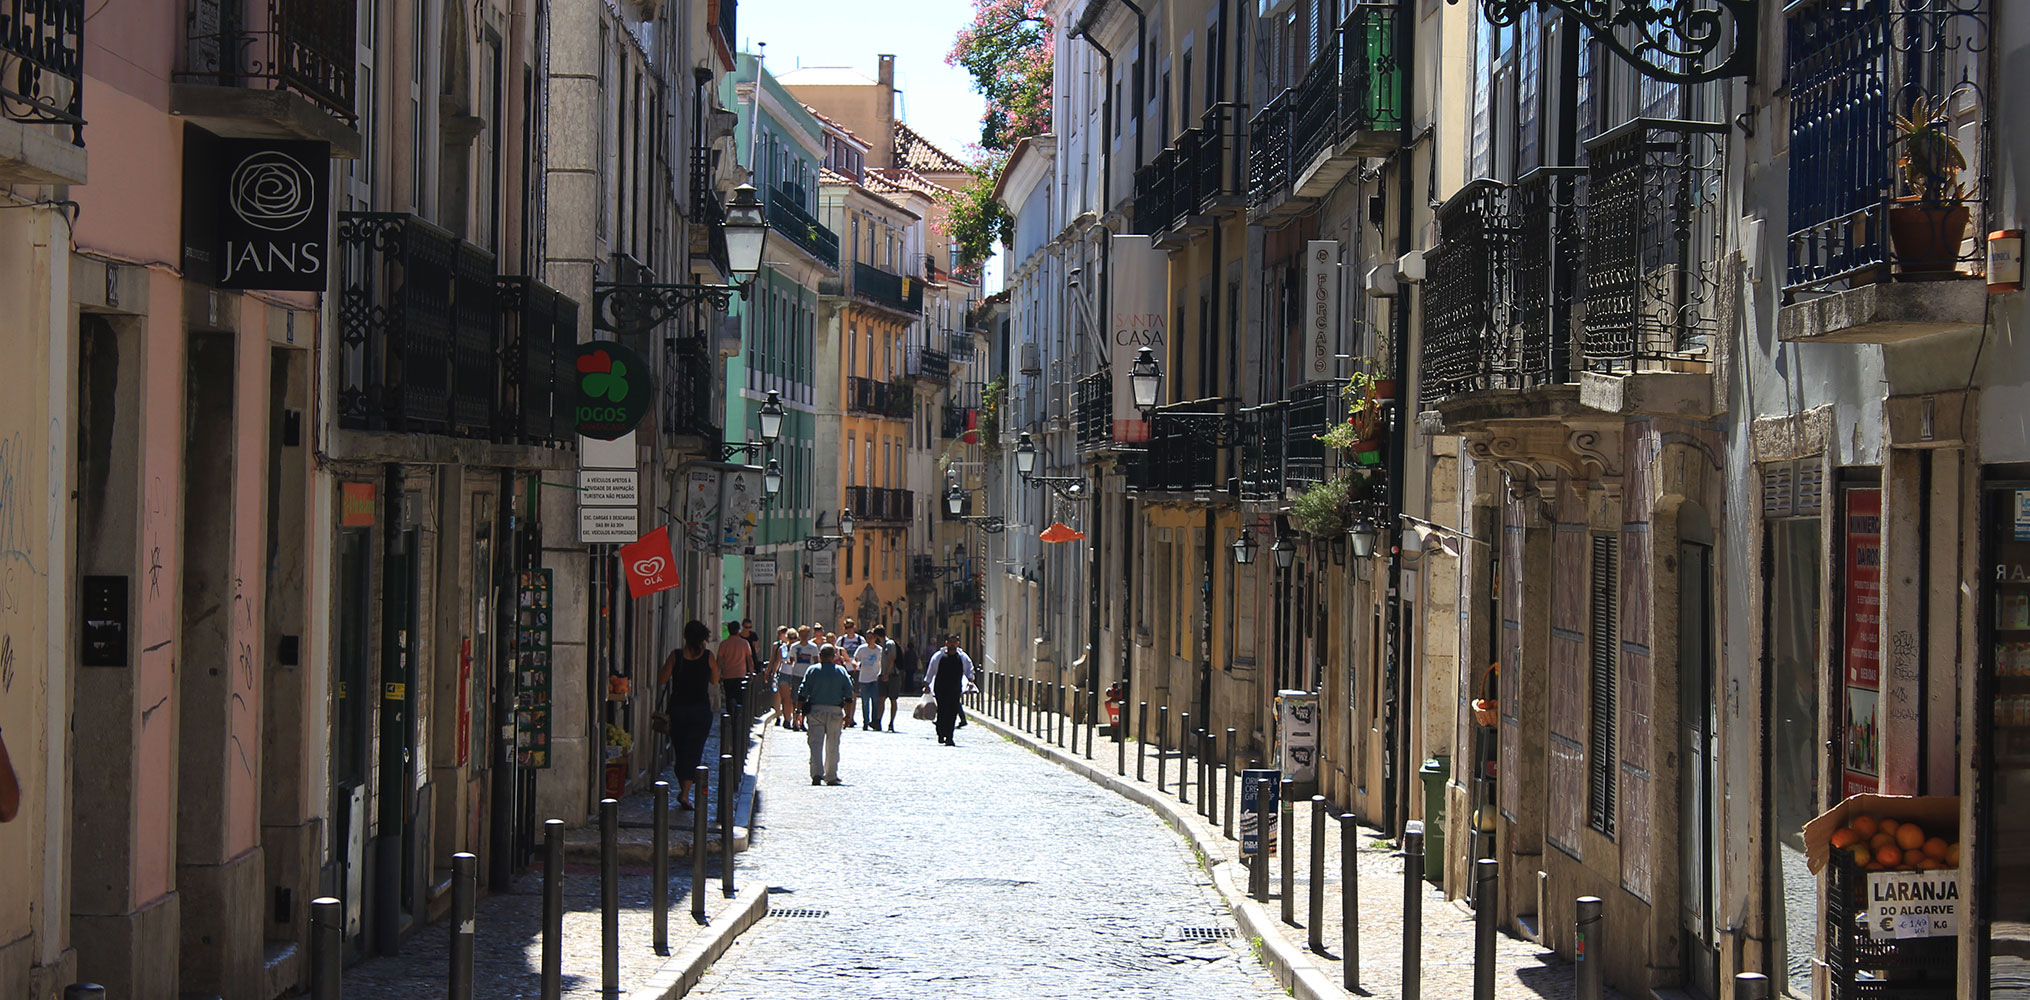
[
  {"x": 1322, "y": 510},
  {"x": 1360, "y": 433},
  {"x": 1928, "y": 225}
]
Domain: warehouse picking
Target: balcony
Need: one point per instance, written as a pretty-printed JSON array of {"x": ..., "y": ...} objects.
[
  {"x": 279, "y": 69},
  {"x": 960, "y": 347},
  {"x": 958, "y": 422},
  {"x": 42, "y": 136},
  {"x": 930, "y": 365},
  {"x": 1183, "y": 451},
  {"x": 1549, "y": 252},
  {"x": 786, "y": 215},
  {"x": 1264, "y": 448},
  {"x": 1093, "y": 404},
  {"x": 691, "y": 403},
  {"x": 1349, "y": 105},
  {"x": 890, "y": 291},
  {"x": 1315, "y": 407},
  {"x": 874, "y": 398},
  {"x": 1467, "y": 274},
  {"x": 1177, "y": 194},
  {"x": 418, "y": 333},
  {"x": 1868, "y": 263},
  {"x": 539, "y": 331},
  {"x": 922, "y": 572},
  {"x": 879, "y": 505},
  {"x": 1653, "y": 246}
]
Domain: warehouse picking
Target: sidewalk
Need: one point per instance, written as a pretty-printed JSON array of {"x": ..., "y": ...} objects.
[
  {"x": 1523, "y": 969},
  {"x": 508, "y": 942}
]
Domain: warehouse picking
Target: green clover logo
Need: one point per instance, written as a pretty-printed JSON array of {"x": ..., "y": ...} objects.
[{"x": 601, "y": 375}]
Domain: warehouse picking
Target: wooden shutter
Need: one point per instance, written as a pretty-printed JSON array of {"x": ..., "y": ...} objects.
[{"x": 1604, "y": 638}]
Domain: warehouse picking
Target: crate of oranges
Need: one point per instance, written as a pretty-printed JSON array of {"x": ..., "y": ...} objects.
[
  {"x": 1882, "y": 833},
  {"x": 1891, "y": 895}
]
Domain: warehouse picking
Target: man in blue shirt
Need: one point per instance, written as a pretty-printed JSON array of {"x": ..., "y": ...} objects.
[{"x": 827, "y": 689}]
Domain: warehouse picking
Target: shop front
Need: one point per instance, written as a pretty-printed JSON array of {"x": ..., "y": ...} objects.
[{"x": 2001, "y": 867}]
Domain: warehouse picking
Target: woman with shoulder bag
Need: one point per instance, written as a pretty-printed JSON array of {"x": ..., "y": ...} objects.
[{"x": 687, "y": 678}]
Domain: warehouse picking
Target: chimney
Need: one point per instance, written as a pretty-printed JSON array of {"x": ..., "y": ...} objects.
[{"x": 887, "y": 77}]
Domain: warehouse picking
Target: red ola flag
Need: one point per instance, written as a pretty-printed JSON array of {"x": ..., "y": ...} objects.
[{"x": 651, "y": 565}]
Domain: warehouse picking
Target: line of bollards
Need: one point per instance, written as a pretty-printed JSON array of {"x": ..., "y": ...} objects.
[
  {"x": 660, "y": 867},
  {"x": 1184, "y": 758},
  {"x": 729, "y": 776},
  {"x": 1287, "y": 840},
  {"x": 1484, "y": 872},
  {"x": 1230, "y": 759},
  {"x": 1265, "y": 835},
  {"x": 1315, "y": 917},
  {"x": 701, "y": 782},
  {"x": 1349, "y": 899},
  {"x": 1162, "y": 744},
  {"x": 1141, "y": 741},
  {"x": 609, "y": 896},
  {"x": 1121, "y": 743},
  {"x": 1413, "y": 909}
]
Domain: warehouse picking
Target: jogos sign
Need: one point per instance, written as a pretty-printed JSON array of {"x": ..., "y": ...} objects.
[{"x": 612, "y": 391}]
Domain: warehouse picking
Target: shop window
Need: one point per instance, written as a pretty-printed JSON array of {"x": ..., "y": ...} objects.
[
  {"x": 1604, "y": 639},
  {"x": 1793, "y": 585}
]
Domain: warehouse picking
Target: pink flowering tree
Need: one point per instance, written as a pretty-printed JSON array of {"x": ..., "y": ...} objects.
[{"x": 1010, "y": 51}]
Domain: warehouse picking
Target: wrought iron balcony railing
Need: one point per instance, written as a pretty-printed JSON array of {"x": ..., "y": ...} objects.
[
  {"x": 1466, "y": 293},
  {"x": 539, "y": 327},
  {"x": 475, "y": 344},
  {"x": 925, "y": 363},
  {"x": 1549, "y": 255},
  {"x": 883, "y": 288},
  {"x": 957, "y": 421},
  {"x": 1263, "y": 450},
  {"x": 876, "y": 398},
  {"x": 1190, "y": 176},
  {"x": 1355, "y": 86},
  {"x": 691, "y": 405},
  {"x": 786, "y": 215},
  {"x": 304, "y": 46},
  {"x": 1093, "y": 404},
  {"x": 1652, "y": 239},
  {"x": 1152, "y": 194},
  {"x": 1183, "y": 451},
  {"x": 401, "y": 340},
  {"x": 881, "y": 505},
  {"x": 42, "y": 66},
  {"x": 960, "y": 347},
  {"x": 1853, "y": 66},
  {"x": 1315, "y": 407}
]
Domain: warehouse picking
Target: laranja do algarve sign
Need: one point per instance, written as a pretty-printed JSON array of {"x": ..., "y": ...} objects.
[{"x": 612, "y": 390}]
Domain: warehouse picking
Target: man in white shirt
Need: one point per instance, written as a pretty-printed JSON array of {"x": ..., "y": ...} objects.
[
  {"x": 871, "y": 661},
  {"x": 948, "y": 678},
  {"x": 849, "y": 642}
]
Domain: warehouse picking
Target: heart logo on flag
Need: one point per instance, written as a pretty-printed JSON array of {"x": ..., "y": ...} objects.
[
  {"x": 651, "y": 567},
  {"x": 650, "y": 562}
]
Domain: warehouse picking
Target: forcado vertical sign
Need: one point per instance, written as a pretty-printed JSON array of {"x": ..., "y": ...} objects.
[
  {"x": 256, "y": 212},
  {"x": 1321, "y": 305}
]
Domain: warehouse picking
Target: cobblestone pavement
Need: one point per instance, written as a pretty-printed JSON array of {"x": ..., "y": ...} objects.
[
  {"x": 508, "y": 946},
  {"x": 972, "y": 871},
  {"x": 1523, "y": 969}
]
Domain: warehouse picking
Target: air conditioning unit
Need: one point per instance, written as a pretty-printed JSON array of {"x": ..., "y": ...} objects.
[
  {"x": 1031, "y": 359},
  {"x": 1381, "y": 280}
]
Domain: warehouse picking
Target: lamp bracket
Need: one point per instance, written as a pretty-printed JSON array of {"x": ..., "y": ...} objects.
[
  {"x": 1676, "y": 41},
  {"x": 631, "y": 309}
]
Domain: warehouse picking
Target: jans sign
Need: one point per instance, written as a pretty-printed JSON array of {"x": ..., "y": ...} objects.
[
  {"x": 256, "y": 212},
  {"x": 613, "y": 390}
]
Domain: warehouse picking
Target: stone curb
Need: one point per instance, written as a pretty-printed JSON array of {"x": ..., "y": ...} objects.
[
  {"x": 1293, "y": 969},
  {"x": 682, "y": 972},
  {"x": 636, "y": 843}
]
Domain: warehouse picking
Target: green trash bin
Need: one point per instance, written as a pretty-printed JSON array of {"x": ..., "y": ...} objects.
[{"x": 1435, "y": 773}]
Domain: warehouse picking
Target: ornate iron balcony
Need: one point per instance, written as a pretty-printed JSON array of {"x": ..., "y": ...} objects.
[
  {"x": 957, "y": 420},
  {"x": 42, "y": 68},
  {"x": 1350, "y": 103},
  {"x": 925, "y": 363},
  {"x": 691, "y": 382},
  {"x": 305, "y": 46},
  {"x": 1183, "y": 451},
  {"x": 1315, "y": 407},
  {"x": 1465, "y": 301},
  {"x": 1093, "y": 402},
  {"x": 1652, "y": 239},
  {"x": 1549, "y": 252},
  {"x": 398, "y": 324},
  {"x": 1263, "y": 450},
  {"x": 875, "y": 398},
  {"x": 1853, "y": 66},
  {"x": 892, "y": 291},
  {"x": 539, "y": 327},
  {"x": 1269, "y": 149},
  {"x": 880, "y": 505},
  {"x": 1152, "y": 194},
  {"x": 786, "y": 215}
]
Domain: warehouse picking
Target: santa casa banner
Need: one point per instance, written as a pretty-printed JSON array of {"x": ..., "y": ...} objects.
[{"x": 256, "y": 212}]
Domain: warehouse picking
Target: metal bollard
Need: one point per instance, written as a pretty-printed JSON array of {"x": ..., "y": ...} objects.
[
  {"x": 1092, "y": 721},
  {"x": 464, "y": 897},
  {"x": 1206, "y": 779},
  {"x": 553, "y": 909},
  {"x": 729, "y": 779},
  {"x": 609, "y": 896},
  {"x": 1184, "y": 758},
  {"x": 1230, "y": 758},
  {"x": 1349, "y": 899},
  {"x": 701, "y": 786},
  {"x": 1058, "y": 717},
  {"x": 1077, "y": 706},
  {"x": 327, "y": 947},
  {"x": 1286, "y": 812},
  {"x": 1484, "y": 872},
  {"x": 1317, "y": 900},
  {"x": 84, "y": 991},
  {"x": 1413, "y": 909},
  {"x": 1586, "y": 955},
  {"x": 660, "y": 868},
  {"x": 1747, "y": 986},
  {"x": 1141, "y": 740},
  {"x": 1162, "y": 747},
  {"x": 1265, "y": 825}
]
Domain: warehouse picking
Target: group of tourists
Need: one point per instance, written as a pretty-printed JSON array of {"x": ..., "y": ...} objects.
[{"x": 817, "y": 678}]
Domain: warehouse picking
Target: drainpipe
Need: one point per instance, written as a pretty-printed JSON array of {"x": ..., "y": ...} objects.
[
  {"x": 1141, "y": 49},
  {"x": 1395, "y": 784},
  {"x": 1105, "y": 319}
]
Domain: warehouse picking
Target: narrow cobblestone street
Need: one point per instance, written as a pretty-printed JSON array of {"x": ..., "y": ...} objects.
[{"x": 979, "y": 870}]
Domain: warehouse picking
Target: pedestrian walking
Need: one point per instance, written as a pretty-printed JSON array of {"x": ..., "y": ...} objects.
[
  {"x": 870, "y": 661},
  {"x": 784, "y": 649},
  {"x": 686, "y": 680},
  {"x": 736, "y": 660},
  {"x": 803, "y": 656},
  {"x": 900, "y": 677},
  {"x": 826, "y": 691},
  {"x": 947, "y": 679},
  {"x": 849, "y": 642}
]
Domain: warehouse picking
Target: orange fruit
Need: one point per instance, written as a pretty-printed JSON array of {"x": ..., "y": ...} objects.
[
  {"x": 1862, "y": 855},
  {"x": 1864, "y": 825},
  {"x": 1913, "y": 858},
  {"x": 1952, "y": 856},
  {"x": 1882, "y": 840},
  {"x": 1845, "y": 837},
  {"x": 1888, "y": 856},
  {"x": 1887, "y": 826},
  {"x": 1910, "y": 836},
  {"x": 1935, "y": 848}
]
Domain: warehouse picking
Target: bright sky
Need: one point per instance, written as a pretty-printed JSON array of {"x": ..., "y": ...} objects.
[{"x": 937, "y": 100}]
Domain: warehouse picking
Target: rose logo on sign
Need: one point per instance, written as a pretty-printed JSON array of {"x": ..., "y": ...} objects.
[{"x": 272, "y": 191}]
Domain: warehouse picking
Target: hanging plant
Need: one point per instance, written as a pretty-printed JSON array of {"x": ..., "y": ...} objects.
[
  {"x": 1322, "y": 510},
  {"x": 991, "y": 398}
]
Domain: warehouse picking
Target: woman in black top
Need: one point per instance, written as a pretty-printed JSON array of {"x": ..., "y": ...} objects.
[{"x": 687, "y": 678}]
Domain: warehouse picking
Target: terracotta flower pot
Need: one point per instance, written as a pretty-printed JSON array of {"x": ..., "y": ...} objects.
[
  {"x": 1383, "y": 389},
  {"x": 1927, "y": 239}
]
